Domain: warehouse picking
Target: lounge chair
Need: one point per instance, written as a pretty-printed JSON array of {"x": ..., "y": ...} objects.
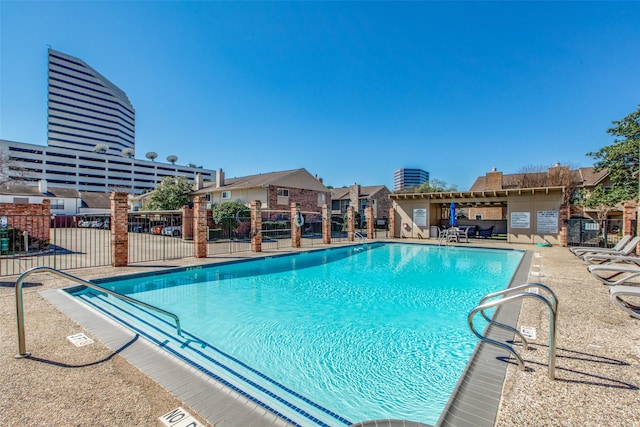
[
  {"x": 615, "y": 274},
  {"x": 628, "y": 249},
  {"x": 617, "y": 292},
  {"x": 581, "y": 250},
  {"x": 603, "y": 258}
]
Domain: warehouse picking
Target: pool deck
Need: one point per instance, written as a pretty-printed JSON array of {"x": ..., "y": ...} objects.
[{"x": 123, "y": 380}]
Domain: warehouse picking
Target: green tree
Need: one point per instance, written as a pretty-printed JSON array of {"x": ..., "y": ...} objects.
[
  {"x": 170, "y": 194},
  {"x": 434, "y": 186},
  {"x": 603, "y": 200},
  {"x": 227, "y": 214},
  {"x": 621, "y": 157}
]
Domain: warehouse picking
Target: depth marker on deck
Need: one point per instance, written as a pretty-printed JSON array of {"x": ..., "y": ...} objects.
[
  {"x": 179, "y": 418},
  {"x": 80, "y": 340}
]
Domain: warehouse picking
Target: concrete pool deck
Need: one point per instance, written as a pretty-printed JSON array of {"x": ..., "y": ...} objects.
[{"x": 597, "y": 375}]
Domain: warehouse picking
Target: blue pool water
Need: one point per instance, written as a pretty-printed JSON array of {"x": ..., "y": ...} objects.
[{"x": 340, "y": 335}]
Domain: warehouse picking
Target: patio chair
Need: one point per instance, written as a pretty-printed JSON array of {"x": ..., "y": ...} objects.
[
  {"x": 617, "y": 293},
  {"x": 628, "y": 249},
  {"x": 485, "y": 232},
  {"x": 581, "y": 250},
  {"x": 615, "y": 274}
]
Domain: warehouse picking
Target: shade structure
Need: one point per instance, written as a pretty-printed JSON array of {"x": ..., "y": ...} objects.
[{"x": 452, "y": 215}]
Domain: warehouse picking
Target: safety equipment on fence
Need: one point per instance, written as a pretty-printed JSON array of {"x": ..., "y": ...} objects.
[{"x": 298, "y": 220}]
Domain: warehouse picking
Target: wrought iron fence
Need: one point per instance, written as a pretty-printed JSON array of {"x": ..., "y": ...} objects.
[
  {"x": 63, "y": 242},
  {"x": 159, "y": 236},
  {"x": 589, "y": 232}
]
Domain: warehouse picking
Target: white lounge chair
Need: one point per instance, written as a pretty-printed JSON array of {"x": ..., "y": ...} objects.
[
  {"x": 614, "y": 274},
  {"x": 618, "y": 292},
  {"x": 603, "y": 258},
  {"x": 581, "y": 250},
  {"x": 628, "y": 249}
]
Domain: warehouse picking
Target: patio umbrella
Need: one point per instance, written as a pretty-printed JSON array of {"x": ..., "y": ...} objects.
[{"x": 452, "y": 215}]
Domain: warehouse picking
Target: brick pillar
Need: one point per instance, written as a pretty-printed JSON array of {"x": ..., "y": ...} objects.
[
  {"x": 392, "y": 222},
  {"x": 256, "y": 226},
  {"x": 628, "y": 216},
  {"x": 564, "y": 214},
  {"x": 200, "y": 227},
  {"x": 326, "y": 224},
  {"x": 295, "y": 230},
  {"x": 351, "y": 224},
  {"x": 187, "y": 223},
  {"x": 119, "y": 229},
  {"x": 46, "y": 213},
  {"x": 369, "y": 215}
]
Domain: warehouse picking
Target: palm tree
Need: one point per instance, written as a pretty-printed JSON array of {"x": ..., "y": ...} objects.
[
  {"x": 172, "y": 159},
  {"x": 151, "y": 155}
]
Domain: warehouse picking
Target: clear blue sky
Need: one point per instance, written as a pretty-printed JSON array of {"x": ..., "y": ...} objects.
[{"x": 350, "y": 91}]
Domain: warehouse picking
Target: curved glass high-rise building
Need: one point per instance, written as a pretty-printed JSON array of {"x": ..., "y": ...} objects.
[{"x": 86, "y": 111}]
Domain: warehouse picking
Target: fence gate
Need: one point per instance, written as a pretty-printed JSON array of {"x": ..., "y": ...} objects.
[{"x": 589, "y": 232}]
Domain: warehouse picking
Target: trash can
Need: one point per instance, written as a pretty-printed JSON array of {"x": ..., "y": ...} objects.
[
  {"x": 433, "y": 232},
  {"x": 4, "y": 245}
]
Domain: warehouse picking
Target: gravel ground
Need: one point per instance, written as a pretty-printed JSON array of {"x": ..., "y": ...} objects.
[
  {"x": 597, "y": 373},
  {"x": 598, "y": 354}
]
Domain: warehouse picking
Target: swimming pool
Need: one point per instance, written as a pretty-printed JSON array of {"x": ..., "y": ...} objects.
[{"x": 328, "y": 337}]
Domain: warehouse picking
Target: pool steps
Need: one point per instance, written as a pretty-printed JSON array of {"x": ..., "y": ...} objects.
[{"x": 255, "y": 386}]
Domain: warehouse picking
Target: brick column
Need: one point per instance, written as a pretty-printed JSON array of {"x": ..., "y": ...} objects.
[
  {"x": 628, "y": 216},
  {"x": 200, "y": 227},
  {"x": 187, "y": 223},
  {"x": 46, "y": 213},
  {"x": 368, "y": 212},
  {"x": 392, "y": 222},
  {"x": 564, "y": 214},
  {"x": 295, "y": 230},
  {"x": 119, "y": 229},
  {"x": 256, "y": 226},
  {"x": 326, "y": 224},
  {"x": 351, "y": 224}
]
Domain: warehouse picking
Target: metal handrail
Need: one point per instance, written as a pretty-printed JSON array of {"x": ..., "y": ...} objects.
[
  {"x": 359, "y": 235},
  {"x": 22, "y": 347},
  {"x": 552, "y": 306},
  {"x": 554, "y": 302}
]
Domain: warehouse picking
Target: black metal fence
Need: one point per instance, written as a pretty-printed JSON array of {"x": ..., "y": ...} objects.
[
  {"x": 589, "y": 232},
  {"x": 61, "y": 242},
  {"x": 82, "y": 241},
  {"x": 159, "y": 236}
]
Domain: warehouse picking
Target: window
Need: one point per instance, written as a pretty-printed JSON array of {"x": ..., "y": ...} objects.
[
  {"x": 20, "y": 200},
  {"x": 283, "y": 196},
  {"x": 478, "y": 216},
  {"x": 57, "y": 204},
  {"x": 226, "y": 195}
]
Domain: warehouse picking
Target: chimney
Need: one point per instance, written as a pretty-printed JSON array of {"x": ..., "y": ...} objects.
[
  {"x": 493, "y": 180},
  {"x": 199, "y": 181},
  {"x": 219, "y": 178},
  {"x": 354, "y": 196},
  {"x": 42, "y": 186}
]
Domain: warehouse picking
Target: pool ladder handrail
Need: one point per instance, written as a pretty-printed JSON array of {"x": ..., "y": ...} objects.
[
  {"x": 359, "y": 236},
  {"x": 22, "y": 347},
  {"x": 551, "y": 303}
]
